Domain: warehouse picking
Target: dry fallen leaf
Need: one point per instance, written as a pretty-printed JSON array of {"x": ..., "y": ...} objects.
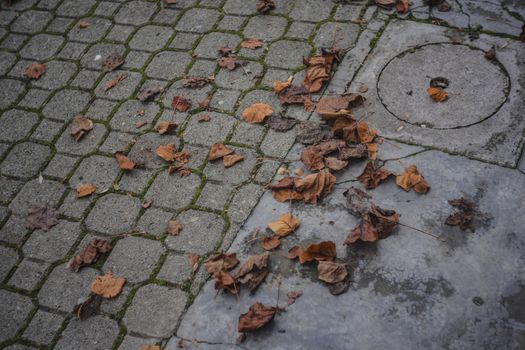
[
  {"x": 279, "y": 86},
  {"x": 437, "y": 94},
  {"x": 89, "y": 254},
  {"x": 315, "y": 186},
  {"x": 318, "y": 70},
  {"x": 88, "y": 308},
  {"x": 312, "y": 159},
  {"x": 271, "y": 242},
  {"x": 257, "y": 113},
  {"x": 197, "y": 82},
  {"x": 146, "y": 203},
  {"x": 335, "y": 164},
  {"x": 224, "y": 281},
  {"x": 110, "y": 84},
  {"x": 193, "y": 260},
  {"x": 371, "y": 176},
  {"x": 140, "y": 123},
  {"x": 412, "y": 178},
  {"x": 219, "y": 150},
  {"x": 464, "y": 216},
  {"x": 231, "y": 159},
  {"x": 286, "y": 224},
  {"x": 265, "y": 6},
  {"x": 80, "y": 126},
  {"x": 83, "y": 24},
  {"x": 34, "y": 71},
  {"x": 333, "y": 107},
  {"x": 257, "y": 316},
  {"x": 357, "y": 201},
  {"x": 150, "y": 92},
  {"x": 221, "y": 262},
  {"x": 491, "y": 54},
  {"x": 107, "y": 286},
  {"x": 174, "y": 227},
  {"x": 85, "y": 190},
  {"x": 279, "y": 123},
  {"x": 164, "y": 127},
  {"x": 168, "y": 2},
  {"x": 309, "y": 132},
  {"x": 387, "y": 4},
  {"x": 293, "y": 296},
  {"x": 364, "y": 231},
  {"x": 363, "y": 88},
  {"x": 153, "y": 346},
  {"x": 402, "y": 6},
  {"x": 331, "y": 272},
  {"x": 324, "y": 251},
  {"x": 254, "y": 270},
  {"x": 166, "y": 152},
  {"x": 376, "y": 224},
  {"x": 204, "y": 118},
  {"x": 41, "y": 217},
  {"x": 112, "y": 62},
  {"x": 251, "y": 43},
  {"x": 124, "y": 163},
  {"x": 180, "y": 104},
  {"x": 228, "y": 62},
  {"x": 294, "y": 252}
]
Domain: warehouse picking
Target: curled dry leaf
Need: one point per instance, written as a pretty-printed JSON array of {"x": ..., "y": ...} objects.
[
  {"x": 84, "y": 190},
  {"x": 371, "y": 176},
  {"x": 180, "y": 104},
  {"x": 310, "y": 132},
  {"x": 231, "y": 159},
  {"x": 359, "y": 151},
  {"x": 464, "y": 216},
  {"x": 331, "y": 272},
  {"x": 296, "y": 95},
  {"x": 34, "y": 71},
  {"x": 41, "y": 217},
  {"x": 364, "y": 231},
  {"x": 279, "y": 123},
  {"x": 378, "y": 223},
  {"x": 193, "y": 260},
  {"x": 140, "y": 123},
  {"x": 333, "y": 107},
  {"x": 166, "y": 152},
  {"x": 257, "y": 316},
  {"x": 219, "y": 150},
  {"x": 124, "y": 163},
  {"x": 363, "y": 88},
  {"x": 251, "y": 43},
  {"x": 80, "y": 126},
  {"x": 89, "y": 254},
  {"x": 402, "y": 6},
  {"x": 224, "y": 281},
  {"x": 174, "y": 227},
  {"x": 357, "y": 201},
  {"x": 315, "y": 186},
  {"x": 197, "y": 82},
  {"x": 265, "y": 6},
  {"x": 164, "y": 127},
  {"x": 150, "y": 92},
  {"x": 257, "y": 113},
  {"x": 324, "y": 251},
  {"x": 293, "y": 296},
  {"x": 83, "y": 24},
  {"x": 89, "y": 308},
  {"x": 146, "y": 203},
  {"x": 228, "y": 62},
  {"x": 437, "y": 94},
  {"x": 254, "y": 270},
  {"x": 112, "y": 62},
  {"x": 107, "y": 286},
  {"x": 294, "y": 252},
  {"x": 271, "y": 242},
  {"x": 312, "y": 159},
  {"x": 491, "y": 54},
  {"x": 221, "y": 262},
  {"x": 412, "y": 178},
  {"x": 110, "y": 84},
  {"x": 386, "y": 4},
  {"x": 279, "y": 86},
  {"x": 286, "y": 224},
  {"x": 335, "y": 164},
  {"x": 205, "y": 104},
  {"x": 318, "y": 70}
]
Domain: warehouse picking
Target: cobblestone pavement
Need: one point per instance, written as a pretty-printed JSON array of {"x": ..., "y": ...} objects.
[{"x": 412, "y": 292}]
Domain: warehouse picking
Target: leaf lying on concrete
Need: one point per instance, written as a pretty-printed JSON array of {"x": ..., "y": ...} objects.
[
  {"x": 41, "y": 217},
  {"x": 265, "y": 6},
  {"x": 437, "y": 94},
  {"x": 224, "y": 281},
  {"x": 464, "y": 216},
  {"x": 376, "y": 224},
  {"x": 412, "y": 178},
  {"x": 323, "y": 251},
  {"x": 286, "y": 224},
  {"x": 271, "y": 242},
  {"x": 166, "y": 152},
  {"x": 174, "y": 227},
  {"x": 279, "y": 123},
  {"x": 107, "y": 286},
  {"x": 254, "y": 270},
  {"x": 110, "y": 84},
  {"x": 221, "y": 262},
  {"x": 257, "y": 316},
  {"x": 89, "y": 254},
  {"x": 372, "y": 176},
  {"x": 318, "y": 70},
  {"x": 197, "y": 82},
  {"x": 279, "y": 86},
  {"x": 331, "y": 272},
  {"x": 293, "y": 296}
]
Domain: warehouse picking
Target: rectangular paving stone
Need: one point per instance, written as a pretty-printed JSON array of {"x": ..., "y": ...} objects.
[
  {"x": 225, "y": 99},
  {"x": 14, "y": 309},
  {"x": 74, "y": 207},
  {"x": 34, "y": 98},
  {"x": 120, "y": 33},
  {"x": 176, "y": 269},
  {"x": 97, "y": 332},
  {"x": 60, "y": 166},
  {"x": 72, "y": 50},
  {"x": 154, "y": 221},
  {"x": 8, "y": 260},
  {"x": 86, "y": 79},
  {"x": 54, "y": 244},
  {"x": 43, "y": 327},
  {"x": 184, "y": 41},
  {"x": 113, "y": 214},
  {"x": 182, "y": 190},
  {"x": 14, "y": 230},
  {"x": 214, "y": 195},
  {"x": 28, "y": 274},
  {"x": 208, "y": 133},
  {"x": 117, "y": 142},
  {"x": 136, "y": 181}
]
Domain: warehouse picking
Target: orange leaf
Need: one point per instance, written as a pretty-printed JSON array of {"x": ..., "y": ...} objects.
[
  {"x": 166, "y": 152},
  {"x": 437, "y": 94},
  {"x": 218, "y": 150},
  {"x": 412, "y": 178},
  {"x": 193, "y": 260},
  {"x": 324, "y": 251},
  {"x": 257, "y": 113},
  {"x": 124, "y": 162},
  {"x": 146, "y": 203},
  {"x": 286, "y": 224},
  {"x": 174, "y": 227},
  {"x": 83, "y": 24},
  {"x": 110, "y": 84},
  {"x": 180, "y": 104},
  {"x": 34, "y": 71},
  {"x": 294, "y": 252},
  {"x": 85, "y": 190},
  {"x": 163, "y": 127},
  {"x": 279, "y": 86},
  {"x": 231, "y": 160},
  {"x": 271, "y": 242},
  {"x": 251, "y": 43},
  {"x": 107, "y": 286}
]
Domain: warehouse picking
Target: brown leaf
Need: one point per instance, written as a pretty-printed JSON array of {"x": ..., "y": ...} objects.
[
  {"x": 324, "y": 251},
  {"x": 196, "y": 82},
  {"x": 164, "y": 127},
  {"x": 223, "y": 280},
  {"x": 166, "y": 152},
  {"x": 310, "y": 132},
  {"x": 41, "y": 217},
  {"x": 80, "y": 126},
  {"x": 107, "y": 286},
  {"x": 153, "y": 346},
  {"x": 294, "y": 252},
  {"x": 257, "y": 316},
  {"x": 251, "y": 43},
  {"x": 293, "y": 296},
  {"x": 219, "y": 150},
  {"x": 377, "y": 224},
  {"x": 437, "y": 94},
  {"x": 315, "y": 186},
  {"x": 491, "y": 54},
  {"x": 221, "y": 262},
  {"x": 522, "y": 35},
  {"x": 204, "y": 103},
  {"x": 402, "y": 6},
  {"x": 34, "y": 71},
  {"x": 464, "y": 216},
  {"x": 112, "y": 62},
  {"x": 331, "y": 272},
  {"x": 372, "y": 150},
  {"x": 285, "y": 182},
  {"x": 360, "y": 151},
  {"x": 150, "y": 92},
  {"x": 124, "y": 163},
  {"x": 254, "y": 270},
  {"x": 271, "y": 242},
  {"x": 279, "y": 123},
  {"x": 387, "y": 4},
  {"x": 257, "y": 113},
  {"x": 83, "y": 24},
  {"x": 174, "y": 227},
  {"x": 89, "y": 254},
  {"x": 295, "y": 95},
  {"x": 228, "y": 62},
  {"x": 286, "y": 224},
  {"x": 279, "y": 86},
  {"x": 332, "y": 107},
  {"x": 88, "y": 308},
  {"x": 167, "y": 2},
  {"x": 335, "y": 164},
  {"x": 204, "y": 118},
  {"x": 85, "y": 190},
  {"x": 140, "y": 123},
  {"x": 312, "y": 159},
  {"x": 363, "y": 88},
  {"x": 371, "y": 176},
  {"x": 286, "y": 195},
  {"x": 265, "y": 6},
  {"x": 364, "y": 231},
  {"x": 231, "y": 159},
  {"x": 412, "y": 178},
  {"x": 339, "y": 287},
  {"x": 180, "y": 104},
  {"x": 193, "y": 260},
  {"x": 329, "y": 146},
  {"x": 357, "y": 201},
  {"x": 318, "y": 70}
]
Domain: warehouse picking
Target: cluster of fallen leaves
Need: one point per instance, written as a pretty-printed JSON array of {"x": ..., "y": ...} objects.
[{"x": 228, "y": 155}]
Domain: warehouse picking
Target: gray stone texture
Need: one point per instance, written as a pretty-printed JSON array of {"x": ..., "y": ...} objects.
[
  {"x": 54, "y": 244},
  {"x": 95, "y": 333},
  {"x": 14, "y": 309},
  {"x": 180, "y": 193},
  {"x": 113, "y": 214}
]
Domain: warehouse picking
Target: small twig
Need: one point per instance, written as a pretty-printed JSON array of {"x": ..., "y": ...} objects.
[
  {"x": 426, "y": 233},
  {"x": 278, "y": 292}
]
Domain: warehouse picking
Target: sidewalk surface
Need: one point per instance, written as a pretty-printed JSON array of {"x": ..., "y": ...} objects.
[{"x": 465, "y": 290}]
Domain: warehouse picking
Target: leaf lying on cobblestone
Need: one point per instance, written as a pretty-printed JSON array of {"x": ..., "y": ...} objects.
[
  {"x": 41, "y": 217},
  {"x": 166, "y": 152},
  {"x": 163, "y": 127},
  {"x": 219, "y": 150},
  {"x": 204, "y": 118},
  {"x": 112, "y": 62},
  {"x": 34, "y": 71},
  {"x": 279, "y": 86},
  {"x": 372, "y": 176},
  {"x": 180, "y": 104},
  {"x": 231, "y": 159},
  {"x": 205, "y": 104},
  {"x": 402, "y": 6},
  {"x": 387, "y": 4},
  {"x": 110, "y": 84},
  {"x": 265, "y": 6},
  {"x": 271, "y": 242},
  {"x": 174, "y": 227},
  {"x": 335, "y": 164},
  {"x": 124, "y": 163},
  {"x": 293, "y": 296},
  {"x": 437, "y": 94},
  {"x": 464, "y": 216},
  {"x": 251, "y": 43},
  {"x": 83, "y": 24},
  {"x": 89, "y": 308},
  {"x": 168, "y": 2},
  {"x": 153, "y": 346},
  {"x": 254, "y": 270},
  {"x": 197, "y": 82},
  {"x": 228, "y": 62},
  {"x": 146, "y": 203},
  {"x": 193, "y": 260},
  {"x": 279, "y": 123},
  {"x": 257, "y": 316},
  {"x": 224, "y": 281},
  {"x": 150, "y": 92},
  {"x": 221, "y": 262},
  {"x": 412, "y": 178},
  {"x": 296, "y": 95},
  {"x": 107, "y": 286},
  {"x": 80, "y": 126},
  {"x": 89, "y": 254},
  {"x": 331, "y": 272},
  {"x": 286, "y": 224},
  {"x": 257, "y": 113},
  {"x": 84, "y": 190},
  {"x": 318, "y": 70},
  {"x": 491, "y": 54},
  {"x": 312, "y": 159}
]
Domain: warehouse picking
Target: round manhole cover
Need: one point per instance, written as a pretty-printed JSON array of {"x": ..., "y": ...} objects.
[{"x": 477, "y": 87}]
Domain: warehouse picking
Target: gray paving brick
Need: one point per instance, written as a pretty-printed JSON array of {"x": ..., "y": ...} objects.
[
  {"x": 106, "y": 8},
  {"x": 113, "y": 214},
  {"x": 74, "y": 207},
  {"x": 301, "y": 30},
  {"x": 11, "y": 90},
  {"x": 208, "y": 133},
  {"x": 72, "y": 51},
  {"x": 25, "y": 159},
  {"x": 136, "y": 181},
  {"x": 57, "y": 75},
  {"x": 348, "y": 12},
  {"x": 240, "y": 78},
  {"x": 48, "y": 4},
  {"x": 194, "y": 95},
  {"x": 43, "y": 327},
  {"x": 265, "y": 28},
  {"x": 16, "y": 125},
  {"x": 176, "y": 269},
  {"x": 164, "y": 304},
  {"x": 66, "y": 143},
  {"x": 120, "y": 33},
  {"x": 231, "y": 22},
  {"x": 117, "y": 141},
  {"x": 7, "y": 59},
  {"x": 54, "y": 244},
  {"x": 34, "y": 98},
  {"x": 73, "y": 8},
  {"x": 182, "y": 190},
  {"x": 277, "y": 144},
  {"x": 14, "y": 309},
  {"x": 236, "y": 174},
  {"x": 243, "y": 202},
  {"x": 13, "y": 230},
  {"x": 124, "y": 89},
  {"x": 341, "y": 35},
  {"x": 135, "y": 12},
  {"x": 131, "y": 112},
  {"x": 9, "y": 188},
  {"x": 168, "y": 65},
  {"x": 198, "y": 20},
  {"x": 214, "y": 196},
  {"x": 86, "y": 79},
  {"x": 248, "y": 134},
  {"x": 154, "y": 221},
  {"x": 136, "y": 59},
  {"x": 60, "y": 25},
  {"x": 28, "y": 274},
  {"x": 114, "y": 305},
  {"x": 95, "y": 55},
  {"x": 66, "y": 104},
  {"x": 95, "y": 333},
  {"x": 143, "y": 151},
  {"x": 225, "y": 99},
  {"x": 13, "y": 41},
  {"x": 151, "y": 38},
  {"x": 60, "y": 166},
  {"x": 212, "y": 42},
  {"x": 100, "y": 109},
  {"x": 167, "y": 16},
  {"x": 267, "y": 170},
  {"x": 41, "y": 46},
  {"x": 197, "y": 155},
  {"x": 96, "y": 30},
  {"x": 312, "y": 10},
  {"x": 239, "y": 7},
  {"x": 184, "y": 41},
  {"x": 287, "y": 54},
  {"x": 31, "y": 22},
  {"x": 134, "y": 258},
  {"x": 6, "y": 17},
  {"x": 97, "y": 170},
  {"x": 203, "y": 68},
  {"x": 33, "y": 192},
  {"x": 8, "y": 259}
]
